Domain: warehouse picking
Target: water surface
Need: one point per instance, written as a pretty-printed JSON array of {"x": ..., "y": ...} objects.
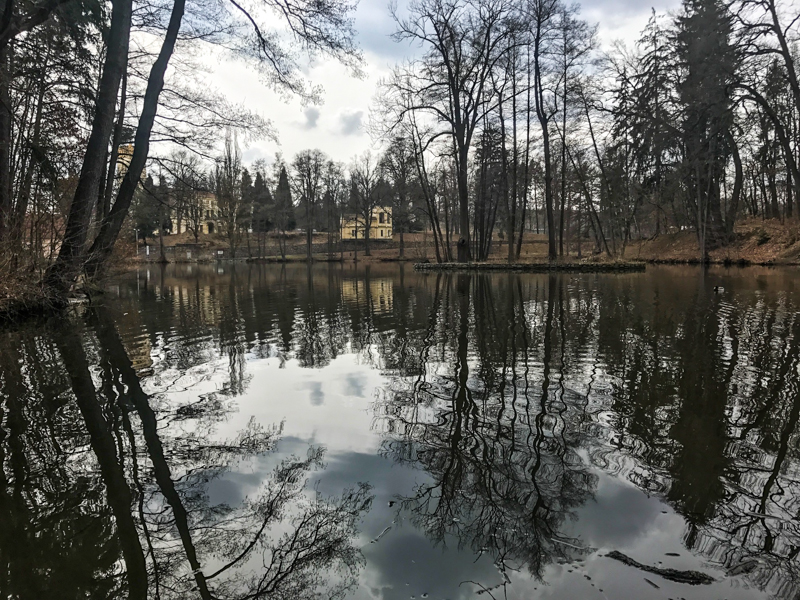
[{"x": 235, "y": 431}]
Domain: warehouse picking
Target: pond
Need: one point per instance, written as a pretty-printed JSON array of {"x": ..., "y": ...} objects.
[{"x": 236, "y": 431}]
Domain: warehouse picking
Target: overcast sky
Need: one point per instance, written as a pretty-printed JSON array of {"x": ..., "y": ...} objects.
[{"x": 337, "y": 126}]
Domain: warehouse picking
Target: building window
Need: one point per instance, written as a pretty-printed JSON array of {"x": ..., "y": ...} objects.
[
  {"x": 381, "y": 217},
  {"x": 381, "y": 232},
  {"x": 353, "y": 233}
]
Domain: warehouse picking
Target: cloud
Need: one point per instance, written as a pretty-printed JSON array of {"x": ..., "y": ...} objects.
[
  {"x": 312, "y": 116},
  {"x": 351, "y": 122},
  {"x": 354, "y": 385},
  {"x": 347, "y": 99},
  {"x": 374, "y": 28},
  {"x": 317, "y": 396}
]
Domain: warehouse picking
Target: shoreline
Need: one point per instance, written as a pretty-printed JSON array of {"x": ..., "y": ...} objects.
[
  {"x": 572, "y": 267},
  {"x": 502, "y": 266}
]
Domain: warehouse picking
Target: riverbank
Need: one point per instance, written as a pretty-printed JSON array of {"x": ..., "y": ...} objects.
[
  {"x": 538, "y": 267},
  {"x": 25, "y": 297},
  {"x": 756, "y": 242}
]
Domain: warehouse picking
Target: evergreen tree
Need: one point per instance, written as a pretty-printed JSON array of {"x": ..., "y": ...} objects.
[
  {"x": 246, "y": 209},
  {"x": 707, "y": 61},
  {"x": 652, "y": 117},
  {"x": 145, "y": 211},
  {"x": 262, "y": 207},
  {"x": 284, "y": 209}
]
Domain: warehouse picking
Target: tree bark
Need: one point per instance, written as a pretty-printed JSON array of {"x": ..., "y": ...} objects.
[
  {"x": 109, "y": 230},
  {"x": 115, "y": 142},
  {"x": 544, "y": 124},
  {"x": 463, "y": 204},
  {"x": 738, "y": 183},
  {"x": 64, "y": 271},
  {"x": 5, "y": 138}
]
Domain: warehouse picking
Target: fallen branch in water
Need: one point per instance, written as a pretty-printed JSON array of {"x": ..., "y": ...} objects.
[{"x": 690, "y": 577}]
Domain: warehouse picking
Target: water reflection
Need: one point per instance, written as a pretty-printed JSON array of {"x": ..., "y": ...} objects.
[
  {"x": 502, "y": 445},
  {"x": 120, "y": 507},
  {"x": 521, "y": 421}
]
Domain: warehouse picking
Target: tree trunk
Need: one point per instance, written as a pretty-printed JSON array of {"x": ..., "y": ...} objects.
[
  {"x": 309, "y": 230},
  {"x": 109, "y": 231},
  {"x": 5, "y": 140},
  {"x": 64, "y": 271},
  {"x": 115, "y": 142},
  {"x": 463, "y": 205},
  {"x": 563, "y": 165},
  {"x": 526, "y": 176},
  {"x": 548, "y": 170}
]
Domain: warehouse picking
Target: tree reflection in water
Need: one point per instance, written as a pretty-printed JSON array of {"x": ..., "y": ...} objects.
[
  {"x": 514, "y": 394},
  {"x": 501, "y": 448},
  {"x": 694, "y": 399},
  {"x": 140, "y": 523}
]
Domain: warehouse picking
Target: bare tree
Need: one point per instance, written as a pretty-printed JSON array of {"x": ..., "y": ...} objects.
[
  {"x": 228, "y": 192},
  {"x": 463, "y": 40},
  {"x": 318, "y": 26},
  {"x": 364, "y": 173},
  {"x": 397, "y": 162},
  {"x": 308, "y": 178}
]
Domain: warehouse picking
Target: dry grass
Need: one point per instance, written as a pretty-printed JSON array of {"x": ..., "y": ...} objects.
[
  {"x": 756, "y": 241},
  {"x": 22, "y": 294}
]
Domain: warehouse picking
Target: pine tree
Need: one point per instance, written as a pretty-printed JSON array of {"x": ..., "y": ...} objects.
[
  {"x": 284, "y": 209},
  {"x": 262, "y": 207},
  {"x": 246, "y": 210},
  {"x": 652, "y": 116},
  {"x": 707, "y": 60}
]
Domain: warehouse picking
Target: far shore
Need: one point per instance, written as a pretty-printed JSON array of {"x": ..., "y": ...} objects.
[{"x": 755, "y": 242}]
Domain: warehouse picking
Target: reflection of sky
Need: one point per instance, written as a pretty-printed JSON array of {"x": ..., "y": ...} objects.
[{"x": 403, "y": 563}]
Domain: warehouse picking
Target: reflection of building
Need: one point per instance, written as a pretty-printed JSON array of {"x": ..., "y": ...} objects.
[
  {"x": 139, "y": 348},
  {"x": 380, "y": 227},
  {"x": 379, "y": 293}
]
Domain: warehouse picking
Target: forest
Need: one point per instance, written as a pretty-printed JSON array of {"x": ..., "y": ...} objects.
[{"x": 509, "y": 117}]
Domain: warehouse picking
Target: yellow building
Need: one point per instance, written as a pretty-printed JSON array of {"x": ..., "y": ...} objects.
[
  {"x": 124, "y": 156},
  {"x": 352, "y": 227},
  {"x": 204, "y": 210}
]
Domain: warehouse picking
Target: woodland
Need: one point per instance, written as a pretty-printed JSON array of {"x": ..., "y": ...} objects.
[{"x": 508, "y": 117}]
